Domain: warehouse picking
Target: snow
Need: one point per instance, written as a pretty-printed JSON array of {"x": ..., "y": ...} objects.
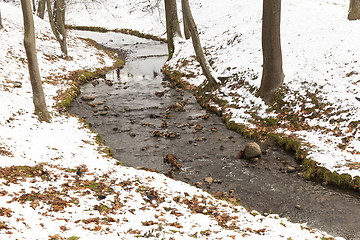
[
  {"x": 48, "y": 199},
  {"x": 320, "y": 56}
]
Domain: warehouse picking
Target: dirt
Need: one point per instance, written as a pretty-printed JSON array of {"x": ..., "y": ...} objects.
[{"x": 152, "y": 124}]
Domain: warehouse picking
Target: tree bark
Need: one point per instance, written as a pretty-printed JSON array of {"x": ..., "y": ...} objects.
[
  {"x": 30, "y": 48},
  {"x": 1, "y": 26},
  {"x": 354, "y": 10},
  {"x": 197, "y": 45},
  {"x": 172, "y": 25},
  {"x": 57, "y": 22},
  {"x": 34, "y": 6},
  {"x": 186, "y": 24},
  {"x": 41, "y": 9},
  {"x": 272, "y": 75}
]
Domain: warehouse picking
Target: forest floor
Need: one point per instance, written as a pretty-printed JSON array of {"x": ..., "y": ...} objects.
[
  {"x": 318, "y": 105},
  {"x": 57, "y": 182}
]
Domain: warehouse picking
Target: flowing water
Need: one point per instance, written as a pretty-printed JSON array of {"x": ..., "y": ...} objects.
[{"x": 143, "y": 118}]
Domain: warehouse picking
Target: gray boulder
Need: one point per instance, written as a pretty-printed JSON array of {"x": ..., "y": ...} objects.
[
  {"x": 252, "y": 150},
  {"x": 87, "y": 98}
]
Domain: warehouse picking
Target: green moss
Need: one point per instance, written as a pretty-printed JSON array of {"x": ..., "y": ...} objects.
[
  {"x": 124, "y": 31},
  {"x": 271, "y": 121},
  {"x": 87, "y": 28},
  {"x": 119, "y": 163},
  {"x": 311, "y": 170},
  {"x": 345, "y": 180},
  {"x": 98, "y": 139},
  {"x": 356, "y": 183},
  {"x": 73, "y": 238},
  {"x": 93, "y": 185},
  {"x": 108, "y": 151},
  {"x": 65, "y": 99}
]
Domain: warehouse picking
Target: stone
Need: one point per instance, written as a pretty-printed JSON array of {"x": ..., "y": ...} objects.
[
  {"x": 108, "y": 82},
  {"x": 198, "y": 127},
  {"x": 95, "y": 82},
  {"x": 209, "y": 180},
  {"x": 219, "y": 181},
  {"x": 252, "y": 150},
  {"x": 291, "y": 169},
  {"x": 87, "y": 98}
]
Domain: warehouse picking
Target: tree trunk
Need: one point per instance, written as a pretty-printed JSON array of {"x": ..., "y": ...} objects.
[
  {"x": 34, "y": 6},
  {"x": 186, "y": 24},
  {"x": 30, "y": 48},
  {"x": 354, "y": 10},
  {"x": 57, "y": 22},
  {"x": 41, "y": 9},
  {"x": 172, "y": 25},
  {"x": 197, "y": 45},
  {"x": 272, "y": 75},
  {"x": 1, "y": 26}
]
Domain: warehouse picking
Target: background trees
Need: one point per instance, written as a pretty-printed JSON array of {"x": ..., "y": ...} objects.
[
  {"x": 41, "y": 9},
  {"x": 192, "y": 29},
  {"x": 272, "y": 75},
  {"x": 1, "y": 26},
  {"x": 172, "y": 25},
  {"x": 57, "y": 22},
  {"x": 30, "y": 48}
]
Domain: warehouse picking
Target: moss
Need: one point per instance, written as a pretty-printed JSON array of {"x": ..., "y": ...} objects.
[
  {"x": 79, "y": 78},
  {"x": 171, "y": 49},
  {"x": 73, "y": 238},
  {"x": 311, "y": 170},
  {"x": 345, "y": 180},
  {"x": 271, "y": 121},
  {"x": 98, "y": 139},
  {"x": 87, "y": 28},
  {"x": 356, "y": 183},
  {"x": 93, "y": 185},
  {"x": 139, "y": 34},
  {"x": 119, "y": 163},
  {"x": 108, "y": 151},
  {"x": 124, "y": 31}
]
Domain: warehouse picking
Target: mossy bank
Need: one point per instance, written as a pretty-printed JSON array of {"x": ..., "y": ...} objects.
[{"x": 311, "y": 169}]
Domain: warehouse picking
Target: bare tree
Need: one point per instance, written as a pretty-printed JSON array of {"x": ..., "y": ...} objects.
[
  {"x": 57, "y": 22},
  {"x": 41, "y": 9},
  {"x": 34, "y": 72},
  {"x": 272, "y": 75},
  {"x": 212, "y": 81},
  {"x": 33, "y": 5},
  {"x": 172, "y": 25},
  {"x": 354, "y": 10},
  {"x": 185, "y": 23},
  {"x": 1, "y": 26}
]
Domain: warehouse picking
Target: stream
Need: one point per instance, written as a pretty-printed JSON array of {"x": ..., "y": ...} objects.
[{"x": 144, "y": 118}]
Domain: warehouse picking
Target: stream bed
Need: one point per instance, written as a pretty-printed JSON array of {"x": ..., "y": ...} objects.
[{"x": 146, "y": 119}]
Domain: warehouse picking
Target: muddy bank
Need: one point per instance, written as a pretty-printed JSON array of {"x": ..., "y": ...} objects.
[{"x": 144, "y": 118}]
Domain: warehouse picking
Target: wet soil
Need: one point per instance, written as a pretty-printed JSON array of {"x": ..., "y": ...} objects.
[{"x": 143, "y": 118}]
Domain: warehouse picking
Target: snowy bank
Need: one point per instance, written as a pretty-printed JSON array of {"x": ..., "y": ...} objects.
[
  {"x": 55, "y": 184},
  {"x": 320, "y": 58}
]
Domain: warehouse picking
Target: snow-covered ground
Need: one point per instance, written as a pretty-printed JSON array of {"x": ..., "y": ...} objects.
[
  {"x": 56, "y": 184},
  {"x": 320, "y": 61}
]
